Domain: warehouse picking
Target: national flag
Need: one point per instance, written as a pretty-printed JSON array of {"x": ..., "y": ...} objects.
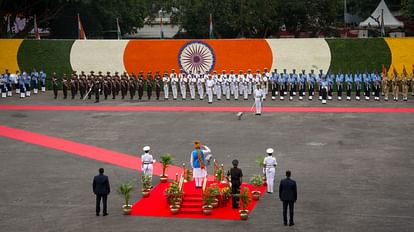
[
  {"x": 118, "y": 29},
  {"x": 36, "y": 30},
  {"x": 211, "y": 27},
  {"x": 81, "y": 31}
]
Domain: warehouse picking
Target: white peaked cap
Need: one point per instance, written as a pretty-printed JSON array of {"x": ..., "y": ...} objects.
[
  {"x": 146, "y": 148},
  {"x": 269, "y": 151}
]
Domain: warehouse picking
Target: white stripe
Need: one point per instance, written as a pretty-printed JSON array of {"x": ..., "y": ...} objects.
[
  {"x": 300, "y": 54},
  {"x": 98, "y": 55}
]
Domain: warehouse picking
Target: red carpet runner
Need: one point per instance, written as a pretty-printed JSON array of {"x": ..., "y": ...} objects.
[{"x": 156, "y": 204}]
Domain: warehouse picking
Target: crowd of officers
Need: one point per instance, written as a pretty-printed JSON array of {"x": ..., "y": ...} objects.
[{"x": 217, "y": 85}]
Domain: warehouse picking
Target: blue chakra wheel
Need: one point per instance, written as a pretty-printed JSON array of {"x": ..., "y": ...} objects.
[{"x": 196, "y": 56}]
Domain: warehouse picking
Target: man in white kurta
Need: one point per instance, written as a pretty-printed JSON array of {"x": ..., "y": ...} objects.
[
  {"x": 269, "y": 169},
  {"x": 147, "y": 162},
  {"x": 198, "y": 163}
]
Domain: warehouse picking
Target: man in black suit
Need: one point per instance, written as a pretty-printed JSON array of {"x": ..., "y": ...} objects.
[
  {"x": 236, "y": 179},
  {"x": 101, "y": 189},
  {"x": 288, "y": 194}
]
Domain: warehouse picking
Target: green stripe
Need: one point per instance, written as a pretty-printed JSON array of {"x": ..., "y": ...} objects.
[
  {"x": 49, "y": 55},
  {"x": 358, "y": 55}
]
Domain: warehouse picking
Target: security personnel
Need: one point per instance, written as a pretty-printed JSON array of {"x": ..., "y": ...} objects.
[
  {"x": 324, "y": 88},
  {"x": 395, "y": 85},
  {"x": 311, "y": 85},
  {"x": 385, "y": 83},
  {"x": 258, "y": 98},
  {"x": 235, "y": 177},
  {"x": 295, "y": 83},
  {"x": 291, "y": 84},
  {"x": 73, "y": 86},
  {"x": 201, "y": 81},
  {"x": 301, "y": 84},
  {"x": 226, "y": 85},
  {"x": 140, "y": 85},
  {"x": 219, "y": 81},
  {"x": 339, "y": 84},
  {"x": 42, "y": 76},
  {"x": 244, "y": 85},
  {"x": 249, "y": 77},
  {"x": 265, "y": 82},
  {"x": 149, "y": 83},
  {"x": 35, "y": 81},
  {"x": 404, "y": 84},
  {"x": 91, "y": 79},
  {"x": 147, "y": 162},
  {"x": 54, "y": 85},
  {"x": 349, "y": 82},
  {"x": 367, "y": 84},
  {"x": 192, "y": 81},
  {"x": 234, "y": 83},
  {"x": 318, "y": 80},
  {"x": 210, "y": 84},
  {"x": 82, "y": 85},
  {"x": 174, "y": 84},
  {"x": 27, "y": 81},
  {"x": 330, "y": 78},
  {"x": 269, "y": 169},
  {"x": 8, "y": 83},
  {"x": 274, "y": 86},
  {"x": 358, "y": 80},
  {"x": 165, "y": 83},
  {"x": 183, "y": 84},
  {"x": 157, "y": 83},
  {"x": 65, "y": 86},
  {"x": 22, "y": 87},
  {"x": 377, "y": 85},
  {"x": 97, "y": 88},
  {"x": 282, "y": 84}
]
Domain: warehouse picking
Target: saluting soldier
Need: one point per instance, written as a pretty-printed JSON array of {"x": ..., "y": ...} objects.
[
  {"x": 165, "y": 82},
  {"x": 157, "y": 85},
  {"x": 54, "y": 84},
  {"x": 65, "y": 86},
  {"x": 140, "y": 85},
  {"x": 395, "y": 85}
]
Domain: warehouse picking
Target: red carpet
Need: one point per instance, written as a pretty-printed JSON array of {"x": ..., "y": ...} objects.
[
  {"x": 210, "y": 109},
  {"x": 83, "y": 150},
  {"x": 156, "y": 205}
]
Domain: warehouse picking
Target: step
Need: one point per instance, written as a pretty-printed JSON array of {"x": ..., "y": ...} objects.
[
  {"x": 192, "y": 199},
  {"x": 193, "y": 194},
  {"x": 191, "y": 211},
  {"x": 192, "y": 205}
]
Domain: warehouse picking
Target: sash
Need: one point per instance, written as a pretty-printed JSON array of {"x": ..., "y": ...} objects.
[{"x": 200, "y": 159}]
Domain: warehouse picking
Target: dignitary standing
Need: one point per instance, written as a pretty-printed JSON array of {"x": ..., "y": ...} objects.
[
  {"x": 269, "y": 169},
  {"x": 198, "y": 163},
  {"x": 147, "y": 162},
  {"x": 288, "y": 195},
  {"x": 101, "y": 189}
]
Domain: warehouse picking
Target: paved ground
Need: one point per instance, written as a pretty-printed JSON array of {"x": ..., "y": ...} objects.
[{"x": 354, "y": 170}]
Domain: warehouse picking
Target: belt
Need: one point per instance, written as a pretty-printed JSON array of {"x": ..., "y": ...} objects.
[
  {"x": 147, "y": 163},
  {"x": 270, "y": 166}
]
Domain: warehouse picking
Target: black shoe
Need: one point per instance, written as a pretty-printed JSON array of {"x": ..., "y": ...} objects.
[
  {"x": 285, "y": 223},
  {"x": 291, "y": 224},
  {"x": 97, "y": 214},
  {"x": 105, "y": 214}
]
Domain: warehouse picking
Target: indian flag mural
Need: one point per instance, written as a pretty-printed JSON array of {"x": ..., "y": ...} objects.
[{"x": 65, "y": 56}]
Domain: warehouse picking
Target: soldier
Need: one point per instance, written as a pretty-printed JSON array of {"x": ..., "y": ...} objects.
[
  {"x": 243, "y": 85},
  {"x": 183, "y": 84},
  {"x": 258, "y": 99},
  {"x": 404, "y": 84},
  {"x": 301, "y": 84},
  {"x": 349, "y": 83},
  {"x": 201, "y": 80},
  {"x": 2, "y": 86},
  {"x": 54, "y": 85},
  {"x": 283, "y": 77},
  {"x": 330, "y": 78},
  {"x": 42, "y": 76},
  {"x": 90, "y": 84},
  {"x": 117, "y": 81},
  {"x": 358, "y": 80},
  {"x": 157, "y": 85},
  {"x": 295, "y": 83},
  {"x": 124, "y": 85},
  {"x": 269, "y": 169},
  {"x": 265, "y": 82},
  {"x": 412, "y": 81},
  {"x": 6, "y": 87},
  {"x": 35, "y": 81},
  {"x": 75, "y": 77},
  {"x": 82, "y": 85},
  {"x": 210, "y": 84},
  {"x": 339, "y": 84},
  {"x": 72, "y": 86},
  {"x": 234, "y": 81},
  {"x": 140, "y": 85},
  {"x": 324, "y": 88},
  {"x": 249, "y": 77},
  {"x": 273, "y": 83},
  {"x": 311, "y": 84},
  {"x": 377, "y": 85},
  {"x": 319, "y": 79},
  {"x": 22, "y": 87},
  {"x": 97, "y": 88},
  {"x": 147, "y": 162},
  {"x": 15, "y": 81},
  {"x": 226, "y": 85},
  {"x": 149, "y": 83},
  {"x": 165, "y": 83},
  {"x": 192, "y": 80},
  {"x": 395, "y": 85},
  {"x": 258, "y": 79},
  {"x": 385, "y": 81},
  {"x": 367, "y": 84},
  {"x": 65, "y": 86},
  {"x": 174, "y": 82},
  {"x": 291, "y": 84},
  {"x": 218, "y": 84},
  {"x": 27, "y": 80}
]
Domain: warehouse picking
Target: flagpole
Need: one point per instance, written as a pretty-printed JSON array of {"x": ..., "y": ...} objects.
[
  {"x": 79, "y": 27},
  {"x": 211, "y": 27},
  {"x": 161, "y": 29},
  {"x": 36, "y": 29},
  {"x": 118, "y": 29}
]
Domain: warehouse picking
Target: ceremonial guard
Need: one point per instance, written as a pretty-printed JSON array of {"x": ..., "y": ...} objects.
[
  {"x": 165, "y": 82},
  {"x": 339, "y": 84},
  {"x": 234, "y": 80},
  {"x": 226, "y": 85},
  {"x": 301, "y": 84},
  {"x": 273, "y": 81},
  {"x": 82, "y": 85},
  {"x": 149, "y": 83},
  {"x": 324, "y": 88},
  {"x": 35, "y": 81},
  {"x": 201, "y": 81},
  {"x": 15, "y": 81},
  {"x": 395, "y": 85},
  {"x": 117, "y": 83},
  {"x": 22, "y": 88},
  {"x": 54, "y": 85},
  {"x": 291, "y": 84},
  {"x": 219, "y": 80},
  {"x": 73, "y": 85},
  {"x": 349, "y": 82},
  {"x": 140, "y": 85},
  {"x": 42, "y": 76},
  {"x": 192, "y": 81},
  {"x": 5, "y": 89},
  {"x": 269, "y": 169},
  {"x": 257, "y": 80},
  {"x": 295, "y": 81},
  {"x": 2, "y": 86},
  {"x": 319, "y": 79},
  {"x": 97, "y": 88},
  {"x": 66, "y": 86},
  {"x": 249, "y": 77},
  {"x": 358, "y": 80},
  {"x": 377, "y": 85},
  {"x": 183, "y": 84},
  {"x": 311, "y": 85},
  {"x": 210, "y": 84},
  {"x": 124, "y": 85},
  {"x": 283, "y": 77},
  {"x": 174, "y": 82},
  {"x": 106, "y": 87},
  {"x": 244, "y": 81},
  {"x": 367, "y": 83},
  {"x": 330, "y": 78},
  {"x": 27, "y": 79},
  {"x": 258, "y": 98},
  {"x": 147, "y": 162},
  {"x": 385, "y": 83},
  {"x": 404, "y": 84},
  {"x": 91, "y": 78},
  {"x": 198, "y": 163},
  {"x": 265, "y": 82},
  {"x": 157, "y": 83}
]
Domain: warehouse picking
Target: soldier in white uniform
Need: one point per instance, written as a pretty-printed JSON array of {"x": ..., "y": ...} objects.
[
  {"x": 210, "y": 85},
  {"x": 201, "y": 81},
  {"x": 183, "y": 84},
  {"x": 147, "y": 162},
  {"x": 219, "y": 82},
  {"x": 174, "y": 83},
  {"x": 235, "y": 84},
  {"x": 166, "y": 81},
  {"x": 192, "y": 81},
  {"x": 265, "y": 82},
  {"x": 231, "y": 78},
  {"x": 249, "y": 77},
  {"x": 226, "y": 85},
  {"x": 269, "y": 169},
  {"x": 258, "y": 98}
]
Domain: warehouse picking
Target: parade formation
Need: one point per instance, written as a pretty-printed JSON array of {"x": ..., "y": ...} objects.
[{"x": 218, "y": 86}]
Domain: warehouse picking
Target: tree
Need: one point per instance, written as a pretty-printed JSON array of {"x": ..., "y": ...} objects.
[{"x": 408, "y": 8}]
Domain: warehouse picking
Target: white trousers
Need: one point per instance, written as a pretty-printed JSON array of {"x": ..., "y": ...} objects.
[
  {"x": 218, "y": 91},
  {"x": 228, "y": 92},
  {"x": 166, "y": 91},
  {"x": 210, "y": 94},
  {"x": 174, "y": 91},
  {"x": 270, "y": 177},
  {"x": 258, "y": 102},
  {"x": 200, "y": 90},
  {"x": 236, "y": 92},
  {"x": 147, "y": 169},
  {"x": 192, "y": 91},
  {"x": 183, "y": 89}
]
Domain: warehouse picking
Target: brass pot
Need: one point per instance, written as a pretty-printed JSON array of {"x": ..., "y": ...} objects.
[
  {"x": 127, "y": 209},
  {"x": 207, "y": 209},
  {"x": 174, "y": 209},
  {"x": 164, "y": 179},
  {"x": 244, "y": 215},
  {"x": 256, "y": 195},
  {"x": 145, "y": 193},
  {"x": 215, "y": 203}
]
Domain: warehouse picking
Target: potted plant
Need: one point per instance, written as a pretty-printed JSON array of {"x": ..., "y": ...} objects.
[
  {"x": 256, "y": 181},
  {"x": 188, "y": 175},
  {"x": 214, "y": 192},
  {"x": 146, "y": 185},
  {"x": 207, "y": 201},
  {"x": 259, "y": 161},
  {"x": 125, "y": 189},
  {"x": 225, "y": 194},
  {"x": 245, "y": 200},
  {"x": 174, "y": 195},
  {"x": 166, "y": 160}
]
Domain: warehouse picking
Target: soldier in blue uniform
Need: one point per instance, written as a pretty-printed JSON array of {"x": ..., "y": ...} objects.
[
  {"x": 22, "y": 86},
  {"x": 366, "y": 78},
  {"x": 8, "y": 83},
  {"x": 330, "y": 78},
  {"x": 311, "y": 80},
  {"x": 324, "y": 85},
  {"x": 27, "y": 80},
  {"x": 42, "y": 76},
  {"x": 301, "y": 84},
  {"x": 274, "y": 84},
  {"x": 3, "y": 86},
  {"x": 282, "y": 84},
  {"x": 376, "y": 80},
  {"x": 318, "y": 80},
  {"x": 295, "y": 83},
  {"x": 349, "y": 83},
  {"x": 358, "y": 80},
  {"x": 291, "y": 84},
  {"x": 339, "y": 84},
  {"x": 35, "y": 81}
]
